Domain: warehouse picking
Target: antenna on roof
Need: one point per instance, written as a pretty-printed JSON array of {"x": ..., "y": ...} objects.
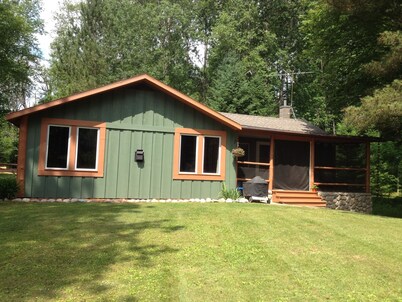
[{"x": 286, "y": 90}]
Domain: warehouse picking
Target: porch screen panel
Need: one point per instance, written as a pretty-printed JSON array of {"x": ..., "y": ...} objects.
[
  {"x": 349, "y": 155},
  {"x": 292, "y": 160},
  {"x": 342, "y": 164},
  {"x": 248, "y": 171}
]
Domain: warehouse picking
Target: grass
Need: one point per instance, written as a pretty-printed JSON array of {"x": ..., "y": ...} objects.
[{"x": 196, "y": 252}]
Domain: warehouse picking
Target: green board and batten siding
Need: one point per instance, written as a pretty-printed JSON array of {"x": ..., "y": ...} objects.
[{"x": 136, "y": 119}]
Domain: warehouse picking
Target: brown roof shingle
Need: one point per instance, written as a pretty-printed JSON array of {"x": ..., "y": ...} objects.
[{"x": 274, "y": 124}]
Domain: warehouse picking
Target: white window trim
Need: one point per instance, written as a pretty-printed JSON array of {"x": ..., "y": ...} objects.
[
  {"x": 76, "y": 149},
  {"x": 196, "y": 154},
  {"x": 68, "y": 147},
  {"x": 219, "y": 155}
]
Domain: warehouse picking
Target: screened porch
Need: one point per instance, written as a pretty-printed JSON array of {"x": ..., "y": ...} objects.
[{"x": 305, "y": 163}]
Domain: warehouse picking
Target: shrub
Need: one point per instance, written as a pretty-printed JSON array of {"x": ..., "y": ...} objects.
[
  {"x": 8, "y": 186},
  {"x": 229, "y": 193}
]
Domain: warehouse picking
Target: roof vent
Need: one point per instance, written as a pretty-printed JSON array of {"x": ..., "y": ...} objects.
[{"x": 285, "y": 111}]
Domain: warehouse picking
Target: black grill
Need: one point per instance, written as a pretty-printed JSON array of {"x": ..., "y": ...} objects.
[{"x": 257, "y": 187}]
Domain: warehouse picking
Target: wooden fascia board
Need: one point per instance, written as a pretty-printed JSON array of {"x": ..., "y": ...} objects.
[
  {"x": 194, "y": 104},
  {"x": 14, "y": 117},
  {"x": 306, "y": 136}
]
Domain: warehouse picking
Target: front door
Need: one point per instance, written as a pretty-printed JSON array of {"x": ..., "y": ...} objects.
[{"x": 291, "y": 165}]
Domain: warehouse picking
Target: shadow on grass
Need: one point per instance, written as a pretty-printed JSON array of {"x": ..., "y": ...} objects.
[
  {"x": 387, "y": 206},
  {"x": 45, "y": 248}
]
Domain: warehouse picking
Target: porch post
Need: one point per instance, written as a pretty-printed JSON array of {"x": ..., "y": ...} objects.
[
  {"x": 312, "y": 164},
  {"x": 271, "y": 163},
  {"x": 367, "y": 167}
]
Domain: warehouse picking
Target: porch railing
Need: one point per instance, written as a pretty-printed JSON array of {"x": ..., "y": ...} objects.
[
  {"x": 358, "y": 184},
  {"x": 8, "y": 168},
  {"x": 255, "y": 166}
]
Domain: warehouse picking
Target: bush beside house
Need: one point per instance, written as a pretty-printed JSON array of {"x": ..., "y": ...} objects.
[{"x": 8, "y": 186}]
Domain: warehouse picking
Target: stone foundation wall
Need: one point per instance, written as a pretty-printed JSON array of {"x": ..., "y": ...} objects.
[{"x": 348, "y": 201}]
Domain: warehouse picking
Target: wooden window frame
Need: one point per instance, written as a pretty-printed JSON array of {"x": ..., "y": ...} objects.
[
  {"x": 199, "y": 175},
  {"x": 71, "y": 169}
]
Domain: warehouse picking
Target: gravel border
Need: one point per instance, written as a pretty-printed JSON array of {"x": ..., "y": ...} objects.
[{"x": 126, "y": 200}]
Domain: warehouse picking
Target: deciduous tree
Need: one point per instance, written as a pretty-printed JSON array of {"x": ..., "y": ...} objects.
[
  {"x": 19, "y": 53},
  {"x": 19, "y": 56}
]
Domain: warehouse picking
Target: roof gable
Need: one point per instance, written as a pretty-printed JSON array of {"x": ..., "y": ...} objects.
[{"x": 14, "y": 117}]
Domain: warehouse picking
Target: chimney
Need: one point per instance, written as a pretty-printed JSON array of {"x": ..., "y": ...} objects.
[{"x": 285, "y": 112}]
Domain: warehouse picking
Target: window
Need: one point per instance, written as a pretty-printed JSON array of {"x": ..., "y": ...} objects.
[
  {"x": 57, "y": 147},
  {"x": 199, "y": 154},
  {"x": 87, "y": 147},
  {"x": 188, "y": 153},
  {"x": 211, "y": 154},
  {"x": 71, "y": 148}
]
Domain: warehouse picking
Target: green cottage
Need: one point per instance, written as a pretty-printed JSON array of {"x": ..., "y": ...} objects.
[{"x": 139, "y": 138}]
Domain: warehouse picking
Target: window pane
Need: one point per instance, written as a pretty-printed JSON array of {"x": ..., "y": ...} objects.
[
  {"x": 57, "y": 147},
  {"x": 188, "y": 151},
  {"x": 86, "y": 148},
  {"x": 211, "y": 154}
]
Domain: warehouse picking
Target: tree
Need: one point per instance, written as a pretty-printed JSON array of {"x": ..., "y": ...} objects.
[
  {"x": 341, "y": 41},
  {"x": 76, "y": 61},
  {"x": 19, "y": 53},
  {"x": 382, "y": 111},
  {"x": 340, "y": 45},
  {"x": 8, "y": 141},
  {"x": 235, "y": 89},
  {"x": 205, "y": 14},
  {"x": 100, "y": 41},
  {"x": 242, "y": 52},
  {"x": 386, "y": 167},
  {"x": 389, "y": 66}
]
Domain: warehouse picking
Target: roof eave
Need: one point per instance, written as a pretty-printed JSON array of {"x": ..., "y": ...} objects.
[
  {"x": 194, "y": 104},
  {"x": 315, "y": 135},
  {"x": 14, "y": 117}
]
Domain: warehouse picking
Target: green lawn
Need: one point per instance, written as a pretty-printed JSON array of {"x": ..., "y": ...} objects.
[{"x": 196, "y": 252}]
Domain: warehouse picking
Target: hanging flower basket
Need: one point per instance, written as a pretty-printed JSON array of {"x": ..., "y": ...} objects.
[{"x": 238, "y": 152}]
